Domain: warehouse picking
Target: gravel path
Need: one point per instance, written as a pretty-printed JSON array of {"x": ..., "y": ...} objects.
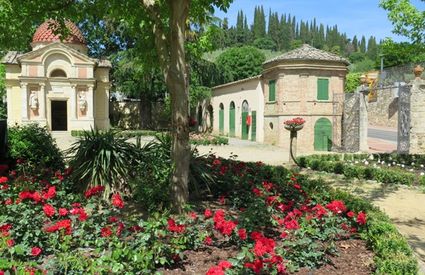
[{"x": 403, "y": 204}]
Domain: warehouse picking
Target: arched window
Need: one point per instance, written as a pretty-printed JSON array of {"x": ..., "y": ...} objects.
[{"x": 58, "y": 73}]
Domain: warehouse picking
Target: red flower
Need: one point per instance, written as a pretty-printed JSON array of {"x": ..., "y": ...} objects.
[
  {"x": 94, "y": 191},
  {"x": 297, "y": 186},
  {"x": 320, "y": 211},
  {"x": 51, "y": 193},
  {"x": 208, "y": 240},
  {"x": 222, "y": 200},
  {"x": 173, "y": 227},
  {"x": 225, "y": 264},
  {"x": 117, "y": 200},
  {"x": 63, "y": 212},
  {"x": 36, "y": 197},
  {"x": 120, "y": 228},
  {"x": 8, "y": 201},
  {"x": 242, "y": 234},
  {"x": 6, "y": 227},
  {"x": 105, "y": 232},
  {"x": 268, "y": 186},
  {"x": 62, "y": 224},
  {"x": 113, "y": 219},
  {"x": 283, "y": 235},
  {"x": 193, "y": 215},
  {"x": 216, "y": 162},
  {"x": 336, "y": 206},
  {"x": 215, "y": 270},
  {"x": 264, "y": 245},
  {"x": 256, "y": 266},
  {"x": 35, "y": 251},
  {"x": 350, "y": 214},
  {"x": 292, "y": 224},
  {"x": 207, "y": 213},
  {"x": 49, "y": 210},
  {"x": 361, "y": 218},
  {"x": 257, "y": 191},
  {"x": 10, "y": 243},
  {"x": 3, "y": 179},
  {"x": 255, "y": 235}
]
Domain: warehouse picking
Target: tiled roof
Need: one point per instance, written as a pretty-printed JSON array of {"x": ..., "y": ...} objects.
[
  {"x": 11, "y": 58},
  {"x": 307, "y": 52},
  {"x": 44, "y": 33}
]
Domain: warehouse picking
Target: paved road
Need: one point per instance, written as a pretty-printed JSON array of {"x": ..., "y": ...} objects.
[{"x": 387, "y": 135}]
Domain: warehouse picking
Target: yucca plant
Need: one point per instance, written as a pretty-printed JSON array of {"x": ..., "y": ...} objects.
[{"x": 101, "y": 158}]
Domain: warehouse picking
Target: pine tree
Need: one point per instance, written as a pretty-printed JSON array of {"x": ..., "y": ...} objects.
[
  {"x": 362, "y": 46},
  {"x": 273, "y": 29},
  {"x": 259, "y": 27},
  {"x": 355, "y": 43},
  {"x": 372, "y": 48}
]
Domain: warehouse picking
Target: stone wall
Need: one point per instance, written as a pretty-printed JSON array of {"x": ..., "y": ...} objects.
[
  {"x": 417, "y": 121},
  {"x": 383, "y": 112}
]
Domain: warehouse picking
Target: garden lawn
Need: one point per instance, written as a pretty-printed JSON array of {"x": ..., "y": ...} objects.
[{"x": 257, "y": 219}]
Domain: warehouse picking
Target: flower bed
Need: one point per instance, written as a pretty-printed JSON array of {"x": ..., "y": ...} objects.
[
  {"x": 382, "y": 168},
  {"x": 273, "y": 221},
  {"x": 206, "y": 139}
]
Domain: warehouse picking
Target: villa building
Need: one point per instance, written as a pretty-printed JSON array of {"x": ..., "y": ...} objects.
[
  {"x": 305, "y": 82},
  {"x": 57, "y": 84}
]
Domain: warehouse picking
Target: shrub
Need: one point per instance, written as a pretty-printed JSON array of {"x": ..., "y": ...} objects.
[
  {"x": 101, "y": 158},
  {"x": 34, "y": 145}
]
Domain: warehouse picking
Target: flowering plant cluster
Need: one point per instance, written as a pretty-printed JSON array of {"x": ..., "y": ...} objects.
[
  {"x": 294, "y": 122},
  {"x": 263, "y": 213}
]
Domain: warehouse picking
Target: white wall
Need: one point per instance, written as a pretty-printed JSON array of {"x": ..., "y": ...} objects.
[{"x": 249, "y": 90}]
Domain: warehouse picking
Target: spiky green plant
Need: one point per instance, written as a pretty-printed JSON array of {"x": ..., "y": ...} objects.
[{"x": 101, "y": 158}]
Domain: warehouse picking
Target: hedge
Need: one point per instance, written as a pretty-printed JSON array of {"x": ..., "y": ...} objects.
[{"x": 333, "y": 164}]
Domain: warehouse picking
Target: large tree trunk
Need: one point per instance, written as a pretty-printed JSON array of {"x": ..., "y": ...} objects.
[{"x": 177, "y": 84}]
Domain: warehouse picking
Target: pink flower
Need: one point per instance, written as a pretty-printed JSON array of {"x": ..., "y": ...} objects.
[
  {"x": 117, "y": 200},
  {"x": 3, "y": 179},
  {"x": 35, "y": 251},
  {"x": 193, "y": 215},
  {"x": 350, "y": 214}
]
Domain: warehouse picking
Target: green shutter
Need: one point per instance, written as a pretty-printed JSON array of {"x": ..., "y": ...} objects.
[
  {"x": 232, "y": 121},
  {"x": 322, "y": 89},
  {"x": 254, "y": 126},
  {"x": 221, "y": 121},
  {"x": 272, "y": 90},
  {"x": 245, "y": 128}
]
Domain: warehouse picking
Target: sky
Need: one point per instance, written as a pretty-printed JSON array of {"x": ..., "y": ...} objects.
[{"x": 354, "y": 17}]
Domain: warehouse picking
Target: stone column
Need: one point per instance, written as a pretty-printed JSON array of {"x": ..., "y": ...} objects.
[
  {"x": 90, "y": 102},
  {"x": 107, "y": 106},
  {"x": 73, "y": 102},
  {"x": 42, "y": 96},
  {"x": 24, "y": 92},
  {"x": 363, "y": 125},
  {"x": 417, "y": 115}
]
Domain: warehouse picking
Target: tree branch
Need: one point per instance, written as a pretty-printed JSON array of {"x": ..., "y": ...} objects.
[{"x": 161, "y": 41}]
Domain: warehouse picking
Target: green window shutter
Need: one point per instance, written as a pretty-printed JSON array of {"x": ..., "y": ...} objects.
[
  {"x": 322, "y": 89},
  {"x": 272, "y": 90}
]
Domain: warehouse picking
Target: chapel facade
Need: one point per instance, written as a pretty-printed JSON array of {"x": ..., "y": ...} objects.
[{"x": 57, "y": 84}]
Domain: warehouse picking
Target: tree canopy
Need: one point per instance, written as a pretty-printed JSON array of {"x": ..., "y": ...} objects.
[{"x": 408, "y": 20}]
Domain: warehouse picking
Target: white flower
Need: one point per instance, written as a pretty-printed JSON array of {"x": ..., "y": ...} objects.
[
  {"x": 413, "y": 163},
  {"x": 356, "y": 162},
  {"x": 366, "y": 162},
  {"x": 422, "y": 173},
  {"x": 402, "y": 165},
  {"x": 393, "y": 162},
  {"x": 411, "y": 170},
  {"x": 383, "y": 162},
  {"x": 422, "y": 166},
  {"x": 389, "y": 164}
]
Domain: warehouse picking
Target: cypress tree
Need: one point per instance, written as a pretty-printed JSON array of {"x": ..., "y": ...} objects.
[
  {"x": 355, "y": 43},
  {"x": 362, "y": 46}
]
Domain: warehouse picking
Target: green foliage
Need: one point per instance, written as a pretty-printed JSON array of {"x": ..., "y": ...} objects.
[
  {"x": 35, "y": 146},
  {"x": 3, "y": 108},
  {"x": 265, "y": 44},
  {"x": 350, "y": 170},
  {"x": 401, "y": 53},
  {"x": 352, "y": 81},
  {"x": 407, "y": 19},
  {"x": 209, "y": 140},
  {"x": 240, "y": 63},
  {"x": 197, "y": 94},
  {"x": 101, "y": 158},
  {"x": 363, "y": 66}
]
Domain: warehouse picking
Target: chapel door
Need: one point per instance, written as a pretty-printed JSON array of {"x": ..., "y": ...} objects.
[
  {"x": 323, "y": 135},
  {"x": 59, "y": 116},
  {"x": 232, "y": 119}
]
